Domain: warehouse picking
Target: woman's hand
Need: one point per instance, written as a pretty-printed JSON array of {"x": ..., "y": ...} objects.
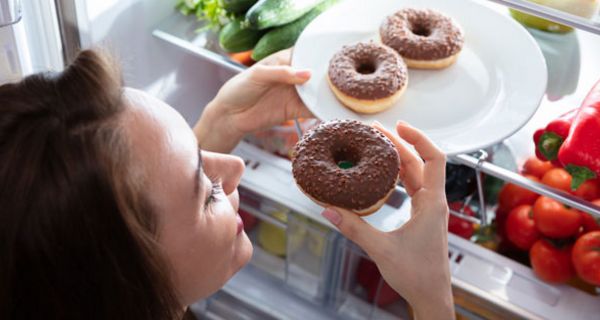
[
  {"x": 414, "y": 258},
  {"x": 258, "y": 98}
]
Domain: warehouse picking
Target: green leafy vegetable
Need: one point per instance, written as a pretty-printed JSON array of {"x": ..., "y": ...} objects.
[{"x": 210, "y": 11}]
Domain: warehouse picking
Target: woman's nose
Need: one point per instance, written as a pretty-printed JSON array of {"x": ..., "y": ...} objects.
[
  {"x": 235, "y": 168},
  {"x": 225, "y": 167}
]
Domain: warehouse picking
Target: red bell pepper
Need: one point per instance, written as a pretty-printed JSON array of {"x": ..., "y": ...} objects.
[
  {"x": 580, "y": 151},
  {"x": 549, "y": 139}
]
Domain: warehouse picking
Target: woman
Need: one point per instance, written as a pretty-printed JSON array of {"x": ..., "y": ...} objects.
[{"x": 111, "y": 211}]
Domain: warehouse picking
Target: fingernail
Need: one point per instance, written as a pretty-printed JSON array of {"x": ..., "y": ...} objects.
[
  {"x": 377, "y": 123},
  {"x": 402, "y": 123},
  {"x": 304, "y": 74},
  {"x": 332, "y": 215}
]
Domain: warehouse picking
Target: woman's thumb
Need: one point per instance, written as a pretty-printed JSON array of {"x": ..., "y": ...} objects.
[
  {"x": 353, "y": 227},
  {"x": 279, "y": 74}
]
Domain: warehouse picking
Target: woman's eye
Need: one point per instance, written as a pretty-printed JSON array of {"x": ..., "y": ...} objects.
[{"x": 217, "y": 187}]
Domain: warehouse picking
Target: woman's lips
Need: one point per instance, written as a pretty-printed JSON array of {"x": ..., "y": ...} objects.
[{"x": 240, "y": 224}]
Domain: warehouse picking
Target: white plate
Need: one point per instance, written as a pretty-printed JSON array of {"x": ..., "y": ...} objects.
[{"x": 491, "y": 91}]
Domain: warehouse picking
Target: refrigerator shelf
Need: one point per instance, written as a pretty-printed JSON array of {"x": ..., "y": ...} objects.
[
  {"x": 182, "y": 32},
  {"x": 506, "y": 289}
]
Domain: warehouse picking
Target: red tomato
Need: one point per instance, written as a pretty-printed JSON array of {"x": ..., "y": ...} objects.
[
  {"x": 554, "y": 219},
  {"x": 588, "y": 222},
  {"x": 558, "y": 178},
  {"x": 550, "y": 263},
  {"x": 536, "y": 167},
  {"x": 458, "y": 226},
  {"x": 512, "y": 195},
  {"x": 500, "y": 220},
  {"x": 589, "y": 190},
  {"x": 586, "y": 257},
  {"x": 520, "y": 227}
]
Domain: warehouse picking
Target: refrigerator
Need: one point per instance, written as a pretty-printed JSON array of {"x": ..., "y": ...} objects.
[{"x": 302, "y": 268}]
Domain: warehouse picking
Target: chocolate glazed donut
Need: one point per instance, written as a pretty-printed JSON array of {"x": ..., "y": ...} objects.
[
  {"x": 367, "y": 77},
  {"x": 346, "y": 164},
  {"x": 425, "y": 38}
]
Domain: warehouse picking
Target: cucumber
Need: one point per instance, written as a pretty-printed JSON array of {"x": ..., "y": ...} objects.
[
  {"x": 238, "y": 6},
  {"x": 285, "y": 36},
  {"x": 272, "y": 13},
  {"x": 234, "y": 38}
]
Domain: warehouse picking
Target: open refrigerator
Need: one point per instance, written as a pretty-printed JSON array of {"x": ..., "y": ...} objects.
[{"x": 302, "y": 268}]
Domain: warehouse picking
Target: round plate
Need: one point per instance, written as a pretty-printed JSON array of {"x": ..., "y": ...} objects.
[{"x": 491, "y": 91}]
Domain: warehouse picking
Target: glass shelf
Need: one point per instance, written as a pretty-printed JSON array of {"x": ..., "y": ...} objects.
[{"x": 183, "y": 32}]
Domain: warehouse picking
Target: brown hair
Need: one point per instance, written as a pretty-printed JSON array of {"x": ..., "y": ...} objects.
[{"x": 77, "y": 237}]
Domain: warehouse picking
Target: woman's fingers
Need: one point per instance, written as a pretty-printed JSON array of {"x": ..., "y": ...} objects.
[
  {"x": 276, "y": 69},
  {"x": 434, "y": 174},
  {"x": 411, "y": 167},
  {"x": 280, "y": 58},
  {"x": 353, "y": 227},
  {"x": 280, "y": 74}
]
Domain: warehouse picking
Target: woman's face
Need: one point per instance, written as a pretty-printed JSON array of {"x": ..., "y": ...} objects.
[{"x": 195, "y": 196}]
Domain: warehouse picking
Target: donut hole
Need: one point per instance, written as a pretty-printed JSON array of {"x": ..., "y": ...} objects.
[
  {"x": 366, "y": 68},
  {"x": 420, "y": 30},
  {"x": 345, "y": 159}
]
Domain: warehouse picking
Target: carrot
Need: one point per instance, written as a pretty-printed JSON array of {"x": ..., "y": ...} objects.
[{"x": 244, "y": 58}]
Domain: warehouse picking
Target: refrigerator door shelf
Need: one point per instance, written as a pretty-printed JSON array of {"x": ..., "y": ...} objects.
[
  {"x": 504, "y": 288},
  {"x": 484, "y": 283}
]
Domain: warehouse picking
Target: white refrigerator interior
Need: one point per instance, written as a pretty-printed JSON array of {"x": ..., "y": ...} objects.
[{"x": 125, "y": 27}]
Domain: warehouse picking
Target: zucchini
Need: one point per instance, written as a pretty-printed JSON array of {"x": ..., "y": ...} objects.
[
  {"x": 235, "y": 38},
  {"x": 238, "y": 6},
  {"x": 285, "y": 36},
  {"x": 272, "y": 13}
]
